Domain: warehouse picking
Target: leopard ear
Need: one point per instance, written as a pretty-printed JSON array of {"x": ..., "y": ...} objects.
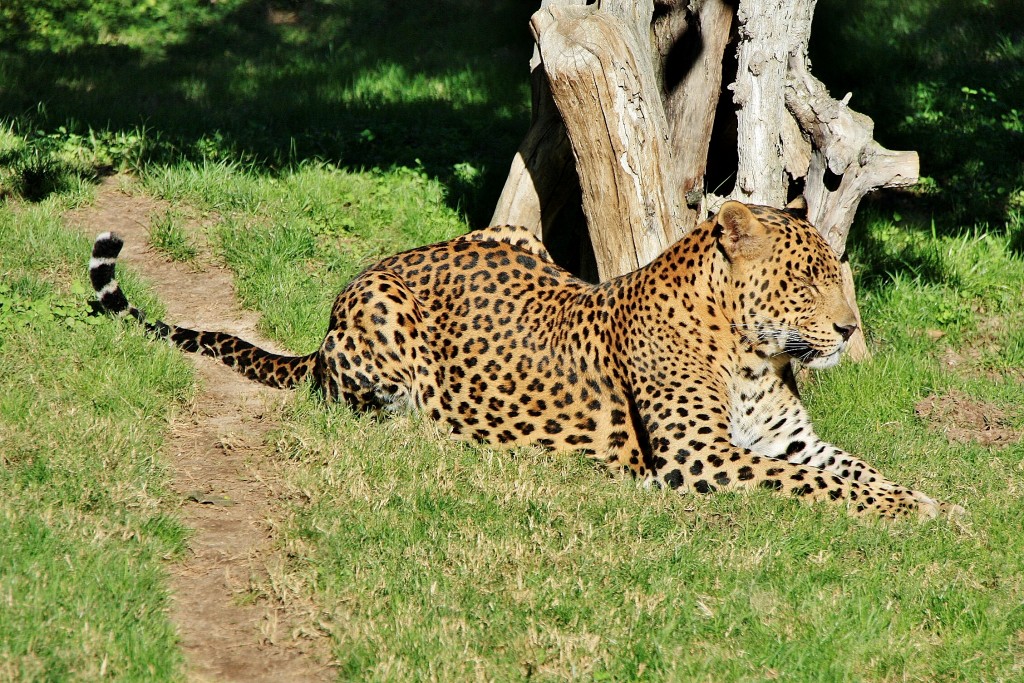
[
  {"x": 742, "y": 235},
  {"x": 797, "y": 207}
]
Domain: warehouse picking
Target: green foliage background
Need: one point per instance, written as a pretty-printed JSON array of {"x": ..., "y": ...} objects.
[
  {"x": 352, "y": 82},
  {"x": 945, "y": 78}
]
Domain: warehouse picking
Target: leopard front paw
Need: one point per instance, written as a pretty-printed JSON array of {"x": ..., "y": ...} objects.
[
  {"x": 923, "y": 506},
  {"x": 952, "y": 510},
  {"x": 893, "y": 502},
  {"x": 927, "y": 507}
]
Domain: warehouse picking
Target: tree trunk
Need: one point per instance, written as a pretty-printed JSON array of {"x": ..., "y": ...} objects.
[
  {"x": 629, "y": 115},
  {"x": 691, "y": 44}
]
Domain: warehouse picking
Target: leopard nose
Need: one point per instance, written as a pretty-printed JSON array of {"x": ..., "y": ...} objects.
[{"x": 845, "y": 331}]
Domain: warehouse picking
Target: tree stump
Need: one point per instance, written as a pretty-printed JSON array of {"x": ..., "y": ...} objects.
[{"x": 634, "y": 101}]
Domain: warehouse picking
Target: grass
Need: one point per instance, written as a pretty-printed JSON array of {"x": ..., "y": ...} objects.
[
  {"x": 167, "y": 234},
  {"x": 273, "y": 84},
  {"x": 316, "y": 137},
  {"x": 533, "y": 565},
  {"x": 84, "y": 505},
  {"x": 296, "y": 238}
]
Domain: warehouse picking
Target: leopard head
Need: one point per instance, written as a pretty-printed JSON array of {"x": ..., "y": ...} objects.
[{"x": 788, "y": 295}]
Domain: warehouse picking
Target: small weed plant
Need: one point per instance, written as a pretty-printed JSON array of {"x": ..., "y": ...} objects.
[{"x": 167, "y": 235}]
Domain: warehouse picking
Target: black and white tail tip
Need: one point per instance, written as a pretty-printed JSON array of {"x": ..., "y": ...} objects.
[{"x": 101, "y": 271}]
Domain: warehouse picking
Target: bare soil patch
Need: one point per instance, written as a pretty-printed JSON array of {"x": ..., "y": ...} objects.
[
  {"x": 228, "y": 489},
  {"x": 963, "y": 419},
  {"x": 969, "y": 360}
]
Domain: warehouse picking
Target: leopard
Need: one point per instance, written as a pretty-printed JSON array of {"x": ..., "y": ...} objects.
[{"x": 678, "y": 374}]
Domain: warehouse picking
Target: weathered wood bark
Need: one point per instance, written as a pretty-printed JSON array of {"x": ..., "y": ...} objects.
[
  {"x": 768, "y": 34},
  {"x": 543, "y": 174},
  {"x": 691, "y": 44},
  {"x": 839, "y": 142},
  {"x": 601, "y": 76},
  {"x": 598, "y": 64},
  {"x": 632, "y": 91}
]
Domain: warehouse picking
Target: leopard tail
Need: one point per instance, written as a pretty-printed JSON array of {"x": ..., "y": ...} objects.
[{"x": 268, "y": 368}]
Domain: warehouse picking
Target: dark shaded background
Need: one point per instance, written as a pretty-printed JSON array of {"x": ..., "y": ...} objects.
[{"x": 256, "y": 82}]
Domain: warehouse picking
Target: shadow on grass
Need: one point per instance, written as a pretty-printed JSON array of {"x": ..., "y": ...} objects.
[
  {"x": 891, "y": 240},
  {"x": 945, "y": 78},
  {"x": 878, "y": 265},
  {"x": 358, "y": 83}
]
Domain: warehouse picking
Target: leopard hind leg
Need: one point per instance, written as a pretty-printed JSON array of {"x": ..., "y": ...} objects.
[{"x": 375, "y": 354}]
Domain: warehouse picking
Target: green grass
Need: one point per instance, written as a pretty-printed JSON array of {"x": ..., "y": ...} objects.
[
  {"x": 86, "y": 522},
  {"x": 946, "y": 79},
  {"x": 352, "y": 82},
  {"x": 296, "y": 238},
  {"x": 167, "y": 235},
  {"x": 532, "y": 563}
]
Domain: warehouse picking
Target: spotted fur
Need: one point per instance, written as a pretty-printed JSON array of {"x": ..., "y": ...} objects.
[{"x": 677, "y": 373}]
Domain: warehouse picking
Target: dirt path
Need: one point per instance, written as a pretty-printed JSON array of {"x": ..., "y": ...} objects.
[{"x": 217, "y": 450}]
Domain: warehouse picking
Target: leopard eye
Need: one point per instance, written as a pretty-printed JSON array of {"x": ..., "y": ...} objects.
[{"x": 806, "y": 287}]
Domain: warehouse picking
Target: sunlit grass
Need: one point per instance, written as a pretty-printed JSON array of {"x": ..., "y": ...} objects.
[
  {"x": 86, "y": 522},
  {"x": 167, "y": 235}
]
